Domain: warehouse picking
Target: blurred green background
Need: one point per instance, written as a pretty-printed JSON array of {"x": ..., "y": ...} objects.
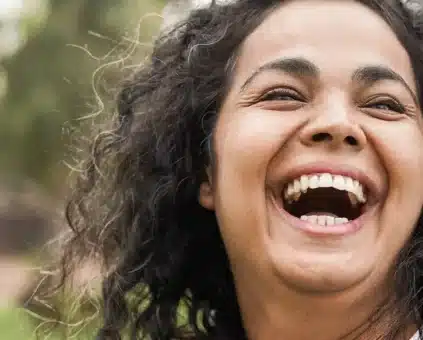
[{"x": 53, "y": 54}]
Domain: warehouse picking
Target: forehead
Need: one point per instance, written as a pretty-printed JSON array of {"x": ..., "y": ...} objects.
[{"x": 338, "y": 36}]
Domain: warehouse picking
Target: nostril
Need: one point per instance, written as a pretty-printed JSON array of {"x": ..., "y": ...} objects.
[
  {"x": 351, "y": 141},
  {"x": 320, "y": 137}
]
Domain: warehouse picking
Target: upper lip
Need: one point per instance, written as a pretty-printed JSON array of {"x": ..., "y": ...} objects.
[{"x": 372, "y": 189}]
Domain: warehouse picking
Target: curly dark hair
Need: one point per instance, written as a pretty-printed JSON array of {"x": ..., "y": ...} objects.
[{"x": 135, "y": 203}]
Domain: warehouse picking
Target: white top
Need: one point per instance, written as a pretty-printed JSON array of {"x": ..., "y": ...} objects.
[{"x": 416, "y": 336}]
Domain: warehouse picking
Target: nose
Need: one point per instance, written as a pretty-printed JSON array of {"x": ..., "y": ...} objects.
[{"x": 334, "y": 130}]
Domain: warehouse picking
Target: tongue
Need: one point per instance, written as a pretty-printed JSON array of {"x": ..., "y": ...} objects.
[{"x": 320, "y": 213}]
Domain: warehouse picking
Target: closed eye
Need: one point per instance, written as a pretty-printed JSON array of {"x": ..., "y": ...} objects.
[
  {"x": 388, "y": 105},
  {"x": 282, "y": 95}
]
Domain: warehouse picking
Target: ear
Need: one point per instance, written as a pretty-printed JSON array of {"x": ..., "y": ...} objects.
[{"x": 206, "y": 192}]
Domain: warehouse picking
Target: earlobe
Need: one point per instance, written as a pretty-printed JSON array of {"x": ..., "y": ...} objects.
[
  {"x": 206, "y": 197},
  {"x": 205, "y": 194}
]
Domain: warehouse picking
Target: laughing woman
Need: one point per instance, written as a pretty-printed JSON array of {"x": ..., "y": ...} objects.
[{"x": 265, "y": 170}]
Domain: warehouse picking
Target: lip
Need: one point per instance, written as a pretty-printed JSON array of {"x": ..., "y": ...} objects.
[{"x": 372, "y": 190}]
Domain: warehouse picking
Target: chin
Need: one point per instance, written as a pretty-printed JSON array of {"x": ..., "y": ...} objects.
[
  {"x": 321, "y": 272},
  {"x": 320, "y": 258}
]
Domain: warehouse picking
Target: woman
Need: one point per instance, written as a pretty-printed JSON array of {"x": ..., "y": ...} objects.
[{"x": 263, "y": 178}]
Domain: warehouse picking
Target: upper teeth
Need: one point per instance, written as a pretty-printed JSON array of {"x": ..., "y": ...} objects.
[{"x": 300, "y": 185}]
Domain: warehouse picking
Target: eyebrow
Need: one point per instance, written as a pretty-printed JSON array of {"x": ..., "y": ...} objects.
[
  {"x": 303, "y": 68},
  {"x": 369, "y": 75},
  {"x": 297, "y": 67}
]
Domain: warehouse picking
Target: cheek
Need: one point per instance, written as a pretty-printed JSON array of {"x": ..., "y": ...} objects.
[
  {"x": 246, "y": 141},
  {"x": 404, "y": 161},
  {"x": 400, "y": 148}
]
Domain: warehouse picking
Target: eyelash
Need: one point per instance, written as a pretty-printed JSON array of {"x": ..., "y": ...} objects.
[
  {"x": 278, "y": 93},
  {"x": 391, "y": 104}
]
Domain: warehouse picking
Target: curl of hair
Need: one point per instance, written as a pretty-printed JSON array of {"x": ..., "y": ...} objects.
[{"x": 135, "y": 203}]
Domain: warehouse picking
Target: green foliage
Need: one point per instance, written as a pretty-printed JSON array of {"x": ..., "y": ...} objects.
[
  {"x": 14, "y": 324},
  {"x": 50, "y": 87},
  {"x": 51, "y": 77},
  {"x": 17, "y": 324}
]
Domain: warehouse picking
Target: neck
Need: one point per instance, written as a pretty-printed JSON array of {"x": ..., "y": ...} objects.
[{"x": 353, "y": 314}]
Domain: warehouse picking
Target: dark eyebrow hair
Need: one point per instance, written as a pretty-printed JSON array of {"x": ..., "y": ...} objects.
[
  {"x": 301, "y": 67},
  {"x": 298, "y": 67},
  {"x": 373, "y": 74}
]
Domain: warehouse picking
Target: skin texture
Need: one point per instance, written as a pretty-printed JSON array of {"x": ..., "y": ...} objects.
[{"x": 285, "y": 278}]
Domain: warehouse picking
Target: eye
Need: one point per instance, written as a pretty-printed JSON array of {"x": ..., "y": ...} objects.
[
  {"x": 386, "y": 104},
  {"x": 282, "y": 95}
]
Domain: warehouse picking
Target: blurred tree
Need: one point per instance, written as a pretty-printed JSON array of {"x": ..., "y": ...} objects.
[{"x": 50, "y": 80}]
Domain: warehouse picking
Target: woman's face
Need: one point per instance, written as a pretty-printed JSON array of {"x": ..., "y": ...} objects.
[{"x": 317, "y": 182}]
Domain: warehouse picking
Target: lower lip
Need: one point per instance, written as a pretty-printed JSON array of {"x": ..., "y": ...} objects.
[{"x": 318, "y": 230}]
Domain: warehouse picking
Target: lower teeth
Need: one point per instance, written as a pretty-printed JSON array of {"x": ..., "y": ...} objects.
[{"x": 324, "y": 220}]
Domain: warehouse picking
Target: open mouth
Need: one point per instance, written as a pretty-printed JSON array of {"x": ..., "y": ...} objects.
[{"x": 325, "y": 199}]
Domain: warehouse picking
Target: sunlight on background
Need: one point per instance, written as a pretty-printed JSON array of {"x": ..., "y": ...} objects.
[
  {"x": 13, "y": 15},
  {"x": 10, "y": 40},
  {"x": 16, "y": 19}
]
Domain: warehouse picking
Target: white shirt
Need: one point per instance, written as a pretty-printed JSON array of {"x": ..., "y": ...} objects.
[{"x": 416, "y": 336}]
